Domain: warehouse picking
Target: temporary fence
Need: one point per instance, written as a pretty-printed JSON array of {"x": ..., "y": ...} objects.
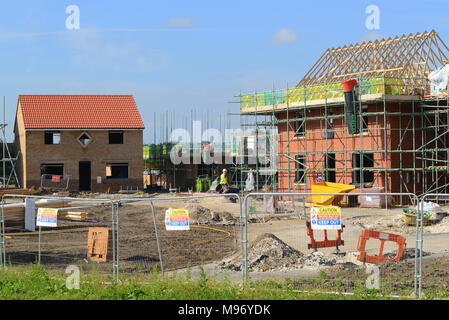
[
  {"x": 307, "y": 239},
  {"x": 59, "y": 235},
  {"x": 268, "y": 206},
  {"x": 141, "y": 236},
  {"x": 181, "y": 232},
  {"x": 138, "y": 247},
  {"x": 421, "y": 220},
  {"x": 136, "y": 227}
]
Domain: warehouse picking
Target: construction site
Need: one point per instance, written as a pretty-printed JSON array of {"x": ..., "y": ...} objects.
[
  {"x": 358, "y": 147},
  {"x": 394, "y": 138}
]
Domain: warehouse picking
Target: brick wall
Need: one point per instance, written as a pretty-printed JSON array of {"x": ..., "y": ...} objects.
[
  {"x": 314, "y": 145},
  {"x": 99, "y": 152}
]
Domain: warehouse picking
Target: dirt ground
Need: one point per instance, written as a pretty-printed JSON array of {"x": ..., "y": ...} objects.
[{"x": 396, "y": 278}]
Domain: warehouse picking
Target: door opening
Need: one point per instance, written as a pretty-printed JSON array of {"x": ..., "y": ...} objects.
[
  {"x": 84, "y": 176},
  {"x": 330, "y": 166}
]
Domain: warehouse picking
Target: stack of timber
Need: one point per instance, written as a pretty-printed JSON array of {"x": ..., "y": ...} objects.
[
  {"x": 27, "y": 192},
  {"x": 73, "y": 215},
  {"x": 15, "y": 213}
]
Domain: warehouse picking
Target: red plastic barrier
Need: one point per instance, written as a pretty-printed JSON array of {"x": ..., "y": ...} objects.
[{"x": 382, "y": 236}]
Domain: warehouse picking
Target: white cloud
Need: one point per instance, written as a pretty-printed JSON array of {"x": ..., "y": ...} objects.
[
  {"x": 181, "y": 22},
  {"x": 7, "y": 36},
  {"x": 91, "y": 50},
  {"x": 283, "y": 36}
]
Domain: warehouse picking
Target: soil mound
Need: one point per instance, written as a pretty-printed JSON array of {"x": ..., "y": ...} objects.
[
  {"x": 269, "y": 253},
  {"x": 266, "y": 253},
  {"x": 204, "y": 216}
]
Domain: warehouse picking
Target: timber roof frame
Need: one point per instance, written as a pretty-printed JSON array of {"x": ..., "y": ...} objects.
[{"x": 412, "y": 57}]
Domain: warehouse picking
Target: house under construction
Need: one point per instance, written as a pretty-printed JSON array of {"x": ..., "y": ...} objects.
[{"x": 393, "y": 135}]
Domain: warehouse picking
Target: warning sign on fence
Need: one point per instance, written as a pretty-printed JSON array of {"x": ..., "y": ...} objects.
[
  {"x": 177, "y": 219},
  {"x": 325, "y": 218},
  {"x": 47, "y": 217}
]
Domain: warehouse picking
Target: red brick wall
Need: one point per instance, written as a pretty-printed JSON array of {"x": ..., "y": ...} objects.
[{"x": 315, "y": 145}]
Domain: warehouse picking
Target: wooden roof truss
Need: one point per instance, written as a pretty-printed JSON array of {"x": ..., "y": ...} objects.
[{"x": 407, "y": 57}]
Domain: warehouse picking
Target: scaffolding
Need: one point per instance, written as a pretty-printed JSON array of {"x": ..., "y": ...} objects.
[
  {"x": 403, "y": 130},
  {"x": 161, "y": 174},
  {"x": 9, "y": 175},
  {"x": 255, "y": 152}
]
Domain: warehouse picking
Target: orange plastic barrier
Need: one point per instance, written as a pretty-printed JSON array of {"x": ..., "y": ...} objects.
[
  {"x": 382, "y": 236},
  {"x": 324, "y": 243}
]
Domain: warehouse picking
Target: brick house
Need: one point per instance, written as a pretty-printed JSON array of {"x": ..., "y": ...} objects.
[{"x": 92, "y": 141}]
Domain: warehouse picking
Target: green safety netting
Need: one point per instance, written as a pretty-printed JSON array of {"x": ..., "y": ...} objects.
[
  {"x": 154, "y": 150},
  {"x": 276, "y": 97}
]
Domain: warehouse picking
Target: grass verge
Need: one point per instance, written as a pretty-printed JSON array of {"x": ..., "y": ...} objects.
[{"x": 36, "y": 282}]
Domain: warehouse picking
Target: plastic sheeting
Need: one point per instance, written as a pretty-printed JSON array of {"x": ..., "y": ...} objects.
[
  {"x": 249, "y": 183},
  {"x": 439, "y": 81}
]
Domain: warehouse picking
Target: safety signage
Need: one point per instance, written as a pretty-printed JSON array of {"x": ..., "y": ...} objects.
[
  {"x": 177, "y": 219},
  {"x": 325, "y": 218},
  {"x": 47, "y": 217}
]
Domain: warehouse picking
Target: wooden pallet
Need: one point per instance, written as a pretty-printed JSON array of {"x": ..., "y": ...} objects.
[{"x": 99, "y": 245}]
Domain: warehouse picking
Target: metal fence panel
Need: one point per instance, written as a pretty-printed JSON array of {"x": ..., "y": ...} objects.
[
  {"x": 67, "y": 243},
  {"x": 283, "y": 248},
  {"x": 145, "y": 243},
  {"x": 433, "y": 224}
]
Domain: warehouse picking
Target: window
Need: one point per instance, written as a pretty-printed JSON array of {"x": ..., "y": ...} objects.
[
  {"x": 52, "y": 137},
  {"x": 84, "y": 139},
  {"x": 117, "y": 171},
  {"x": 330, "y": 121},
  {"x": 329, "y": 132},
  {"x": 300, "y": 176},
  {"x": 300, "y": 126},
  {"x": 364, "y": 119},
  {"x": 115, "y": 137},
  {"x": 56, "y": 169},
  {"x": 330, "y": 168},
  {"x": 368, "y": 162}
]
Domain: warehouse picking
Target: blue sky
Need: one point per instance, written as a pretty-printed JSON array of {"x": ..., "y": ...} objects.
[{"x": 184, "y": 55}]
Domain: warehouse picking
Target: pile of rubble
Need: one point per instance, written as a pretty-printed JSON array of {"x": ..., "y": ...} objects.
[
  {"x": 269, "y": 253},
  {"x": 408, "y": 253},
  {"x": 266, "y": 253},
  {"x": 204, "y": 216}
]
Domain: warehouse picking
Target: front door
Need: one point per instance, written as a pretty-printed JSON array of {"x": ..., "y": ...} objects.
[{"x": 84, "y": 175}]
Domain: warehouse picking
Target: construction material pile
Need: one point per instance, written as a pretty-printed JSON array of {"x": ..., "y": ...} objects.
[
  {"x": 408, "y": 253},
  {"x": 204, "y": 216},
  {"x": 15, "y": 213},
  {"x": 73, "y": 215},
  {"x": 269, "y": 253},
  {"x": 266, "y": 253}
]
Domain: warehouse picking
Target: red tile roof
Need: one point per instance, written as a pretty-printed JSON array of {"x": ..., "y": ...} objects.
[{"x": 80, "y": 112}]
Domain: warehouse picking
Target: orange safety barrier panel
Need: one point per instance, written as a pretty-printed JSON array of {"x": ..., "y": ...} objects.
[
  {"x": 382, "y": 236},
  {"x": 97, "y": 244},
  {"x": 324, "y": 243}
]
